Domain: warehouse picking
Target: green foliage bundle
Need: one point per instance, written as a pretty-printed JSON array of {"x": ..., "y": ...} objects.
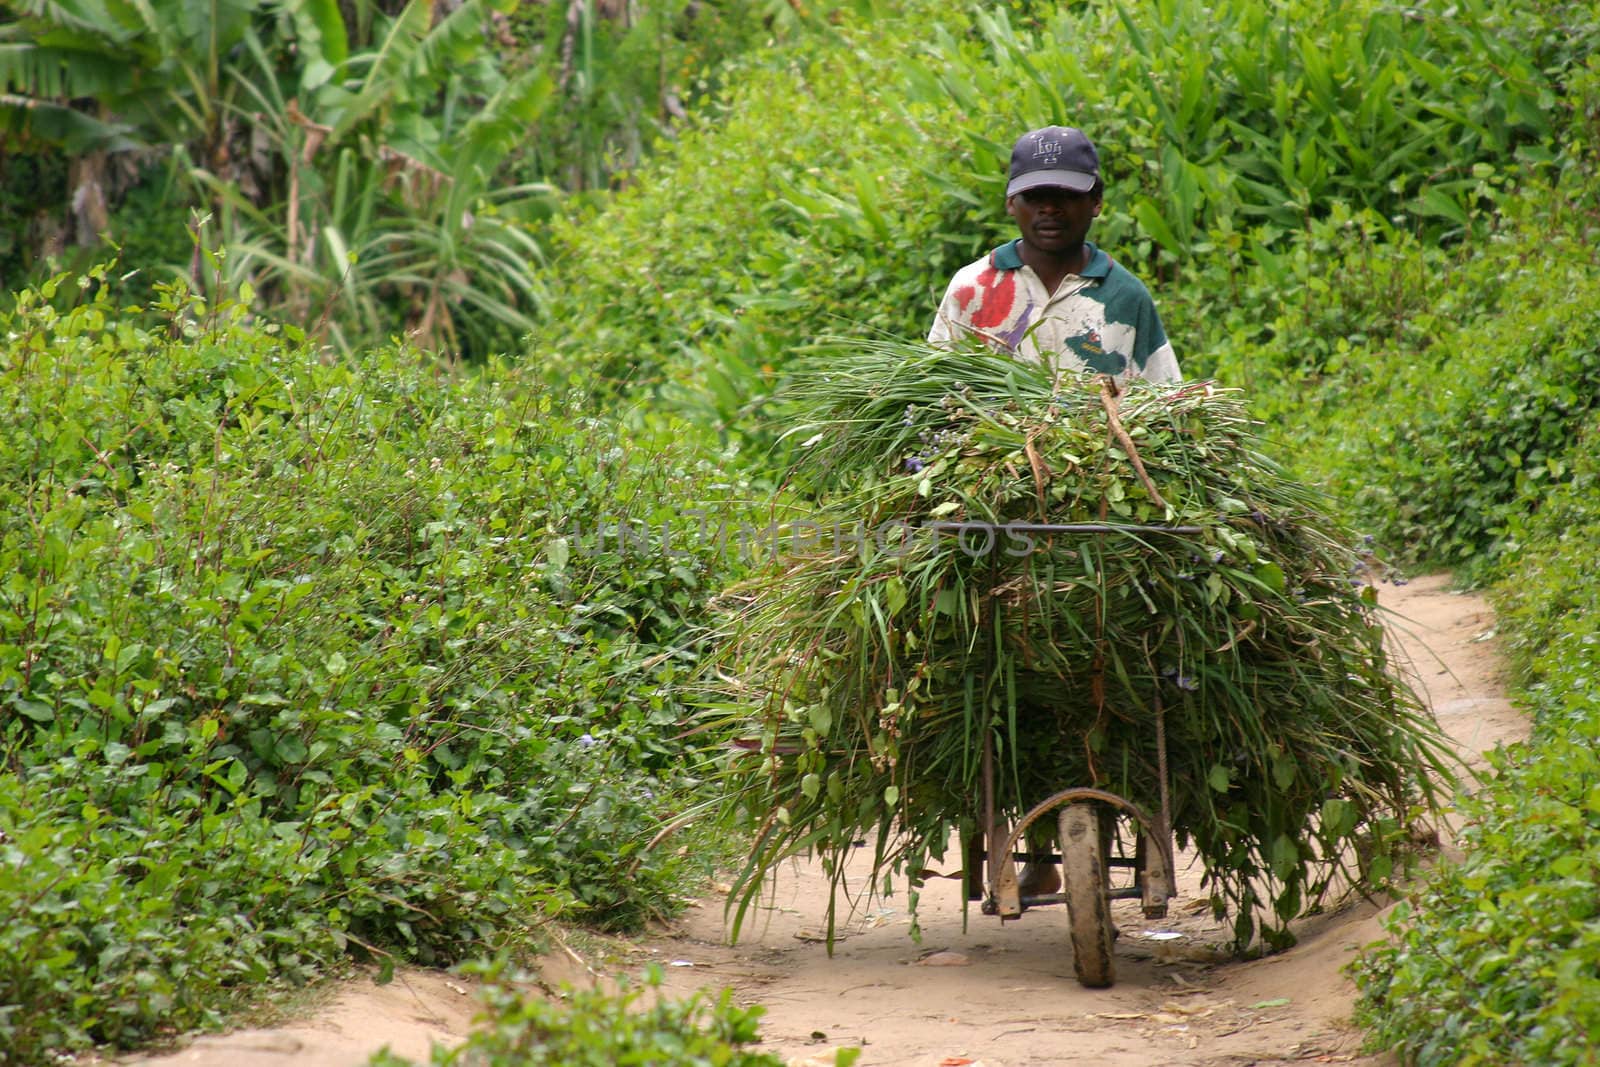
[
  {"x": 298, "y": 658},
  {"x": 871, "y": 670},
  {"x": 637, "y": 1025}
]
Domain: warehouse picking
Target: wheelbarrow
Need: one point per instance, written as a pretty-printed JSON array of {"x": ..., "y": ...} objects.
[{"x": 1094, "y": 826}]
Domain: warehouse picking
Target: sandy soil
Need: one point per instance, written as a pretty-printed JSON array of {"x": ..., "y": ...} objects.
[
  {"x": 974, "y": 991},
  {"x": 350, "y": 1022}
]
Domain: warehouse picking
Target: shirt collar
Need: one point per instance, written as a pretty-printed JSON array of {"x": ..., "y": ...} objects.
[{"x": 1007, "y": 257}]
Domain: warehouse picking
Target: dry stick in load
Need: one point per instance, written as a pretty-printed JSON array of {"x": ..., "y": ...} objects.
[
  {"x": 1041, "y": 473},
  {"x": 1108, "y": 398}
]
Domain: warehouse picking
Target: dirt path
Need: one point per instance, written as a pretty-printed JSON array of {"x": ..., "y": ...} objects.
[
  {"x": 353, "y": 1020},
  {"x": 986, "y": 994}
]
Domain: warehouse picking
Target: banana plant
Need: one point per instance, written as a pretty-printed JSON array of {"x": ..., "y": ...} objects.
[
  {"x": 347, "y": 158},
  {"x": 386, "y": 217},
  {"x": 157, "y": 65},
  {"x": 153, "y": 73}
]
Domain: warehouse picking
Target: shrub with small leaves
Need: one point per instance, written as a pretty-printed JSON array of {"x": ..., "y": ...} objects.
[
  {"x": 300, "y": 657},
  {"x": 1496, "y": 959},
  {"x": 639, "y": 1024}
]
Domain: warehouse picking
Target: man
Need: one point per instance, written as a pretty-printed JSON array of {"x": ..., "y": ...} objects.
[{"x": 1051, "y": 296}]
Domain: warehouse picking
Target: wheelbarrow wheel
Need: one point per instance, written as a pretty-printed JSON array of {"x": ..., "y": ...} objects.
[{"x": 1086, "y": 884}]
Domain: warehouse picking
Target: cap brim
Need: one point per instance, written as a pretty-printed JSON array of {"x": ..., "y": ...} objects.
[{"x": 1075, "y": 180}]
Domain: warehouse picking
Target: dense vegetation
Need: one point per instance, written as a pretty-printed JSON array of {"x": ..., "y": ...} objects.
[
  {"x": 1401, "y": 278},
  {"x": 371, "y": 167},
  {"x": 1496, "y": 958},
  {"x": 851, "y": 182},
  {"x": 306, "y": 654},
  {"x": 302, "y": 657}
]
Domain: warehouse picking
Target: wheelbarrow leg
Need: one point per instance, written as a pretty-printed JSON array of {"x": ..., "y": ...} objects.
[
  {"x": 1157, "y": 880},
  {"x": 1002, "y": 868},
  {"x": 972, "y": 851}
]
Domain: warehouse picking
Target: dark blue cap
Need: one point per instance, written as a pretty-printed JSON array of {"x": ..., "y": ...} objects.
[{"x": 1055, "y": 157}]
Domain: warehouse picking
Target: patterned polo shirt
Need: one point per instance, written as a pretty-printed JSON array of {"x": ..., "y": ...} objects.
[{"x": 1101, "y": 320}]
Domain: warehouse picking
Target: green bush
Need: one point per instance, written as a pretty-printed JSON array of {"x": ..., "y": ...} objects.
[
  {"x": 298, "y": 657},
  {"x": 781, "y": 211},
  {"x": 1549, "y": 591},
  {"x": 1496, "y": 410},
  {"x": 1495, "y": 959},
  {"x": 593, "y": 1028},
  {"x": 1473, "y": 381}
]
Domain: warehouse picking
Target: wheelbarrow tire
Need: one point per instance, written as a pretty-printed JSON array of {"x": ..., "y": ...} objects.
[{"x": 1086, "y": 885}]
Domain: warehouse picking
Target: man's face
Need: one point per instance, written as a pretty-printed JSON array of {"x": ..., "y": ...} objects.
[{"x": 1053, "y": 220}]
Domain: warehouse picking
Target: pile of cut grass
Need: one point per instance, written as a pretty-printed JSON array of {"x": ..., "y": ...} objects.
[{"x": 872, "y": 665}]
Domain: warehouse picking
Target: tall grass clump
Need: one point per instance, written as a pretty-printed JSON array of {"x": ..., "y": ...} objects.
[
  {"x": 870, "y": 669},
  {"x": 302, "y": 659}
]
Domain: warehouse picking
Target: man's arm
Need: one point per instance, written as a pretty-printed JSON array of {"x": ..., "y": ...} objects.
[
  {"x": 1153, "y": 357},
  {"x": 943, "y": 330},
  {"x": 1162, "y": 366}
]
